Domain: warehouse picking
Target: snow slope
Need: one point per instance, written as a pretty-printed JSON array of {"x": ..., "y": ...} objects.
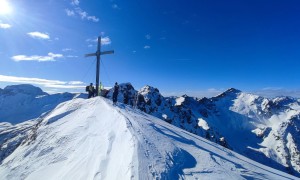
[
  {"x": 266, "y": 130},
  {"x": 92, "y": 139},
  {"x": 19, "y": 103}
]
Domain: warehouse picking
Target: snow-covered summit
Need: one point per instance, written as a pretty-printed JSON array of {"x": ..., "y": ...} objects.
[
  {"x": 23, "y": 89},
  {"x": 229, "y": 92},
  {"x": 92, "y": 139},
  {"x": 19, "y": 103}
]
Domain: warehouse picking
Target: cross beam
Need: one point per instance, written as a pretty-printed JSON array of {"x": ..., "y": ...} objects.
[{"x": 98, "y": 53}]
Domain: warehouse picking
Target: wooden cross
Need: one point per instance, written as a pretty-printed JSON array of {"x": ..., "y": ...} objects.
[{"x": 98, "y": 53}]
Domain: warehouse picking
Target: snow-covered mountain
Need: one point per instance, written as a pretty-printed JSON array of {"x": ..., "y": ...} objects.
[
  {"x": 262, "y": 129},
  {"x": 266, "y": 130},
  {"x": 92, "y": 139},
  {"x": 19, "y": 103}
]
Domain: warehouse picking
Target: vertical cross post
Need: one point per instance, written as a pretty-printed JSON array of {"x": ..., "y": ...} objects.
[
  {"x": 98, "y": 54},
  {"x": 98, "y": 65}
]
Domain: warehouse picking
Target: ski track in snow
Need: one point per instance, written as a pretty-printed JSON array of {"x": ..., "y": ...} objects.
[{"x": 92, "y": 139}]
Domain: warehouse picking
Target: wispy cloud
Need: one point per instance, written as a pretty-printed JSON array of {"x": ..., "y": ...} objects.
[
  {"x": 38, "y": 35},
  {"x": 76, "y": 83},
  {"x": 77, "y": 11},
  {"x": 50, "y": 57},
  {"x": 148, "y": 36},
  {"x": 84, "y": 15},
  {"x": 75, "y": 2},
  {"x": 26, "y": 80},
  {"x": 71, "y": 56},
  {"x": 115, "y": 6},
  {"x": 93, "y": 18},
  {"x": 70, "y": 12},
  {"x": 147, "y": 47},
  {"x": 67, "y": 49},
  {"x": 5, "y": 26},
  {"x": 43, "y": 82},
  {"x": 104, "y": 40}
]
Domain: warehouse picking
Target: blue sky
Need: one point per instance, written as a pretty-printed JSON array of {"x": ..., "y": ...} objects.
[{"x": 199, "y": 48}]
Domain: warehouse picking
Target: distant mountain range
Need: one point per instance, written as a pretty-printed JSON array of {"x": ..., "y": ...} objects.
[{"x": 265, "y": 130}]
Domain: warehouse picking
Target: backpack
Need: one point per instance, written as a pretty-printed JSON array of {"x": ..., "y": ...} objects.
[{"x": 87, "y": 88}]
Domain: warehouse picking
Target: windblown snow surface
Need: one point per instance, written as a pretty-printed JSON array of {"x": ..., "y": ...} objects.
[{"x": 92, "y": 139}]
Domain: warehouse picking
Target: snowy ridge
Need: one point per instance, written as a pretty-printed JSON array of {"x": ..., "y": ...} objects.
[
  {"x": 92, "y": 139},
  {"x": 267, "y": 130}
]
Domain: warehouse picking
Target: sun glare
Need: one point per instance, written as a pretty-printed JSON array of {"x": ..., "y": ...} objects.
[{"x": 5, "y": 8}]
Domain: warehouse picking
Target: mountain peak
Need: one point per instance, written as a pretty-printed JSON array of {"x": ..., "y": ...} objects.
[
  {"x": 232, "y": 90},
  {"x": 229, "y": 92},
  {"x": 148, "y": 89},
  {"x": 24, "y": 89}
]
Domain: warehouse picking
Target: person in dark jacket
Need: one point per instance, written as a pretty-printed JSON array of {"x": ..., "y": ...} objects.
[
  {"x": 91, "y": 90},
  {"x": 115, "y": 94}
]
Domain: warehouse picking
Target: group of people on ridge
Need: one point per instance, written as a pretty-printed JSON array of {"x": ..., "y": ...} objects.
[{"x": 92, "y": 91}]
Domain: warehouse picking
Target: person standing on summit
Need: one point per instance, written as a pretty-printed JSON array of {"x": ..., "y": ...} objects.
[
  {"x": 115, "y": 94},
  {"x": 91, "y": 90}
]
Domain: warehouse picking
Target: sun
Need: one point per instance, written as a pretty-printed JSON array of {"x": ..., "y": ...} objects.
[{"x": 5, "y": 7}]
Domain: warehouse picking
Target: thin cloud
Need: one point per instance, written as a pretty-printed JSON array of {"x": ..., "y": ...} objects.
[
  {"x": 76, "y": 82},
  {"x": 5, "y": 26},
  {"x": 70, "y": 12},
  {"x": 67, "y": 49},
  {"x": 50, "y": 57},
  {"x": 104, "y": 41},
  {"x": 147, "y": 47},
  {"x": 92, "y": 18},
  {"x": 75, "y": 2},
  {"x": 71, "y": 56},
  {"x": 81, "y": 13},
  {"x": 66, "y": 86},
  {"x": 38, "y": 35},
  {"x": 77, "y": 11},
  {"x": 148, "y": 36},
  {"x": 43, "y": 82},
  {"x": 84, "y": 15},
  {"x": 26, "y": 80},
  {"x": 115, "y": 6}
]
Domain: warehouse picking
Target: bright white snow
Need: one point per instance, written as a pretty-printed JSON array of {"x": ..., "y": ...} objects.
[
  {"x": 202, "y": 123},
  {"x": 92, "y": 139},
  {"x": 179, "y": 101}
]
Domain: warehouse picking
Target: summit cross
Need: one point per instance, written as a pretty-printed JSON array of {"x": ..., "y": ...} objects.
[{"x": 98, "y": 53}]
